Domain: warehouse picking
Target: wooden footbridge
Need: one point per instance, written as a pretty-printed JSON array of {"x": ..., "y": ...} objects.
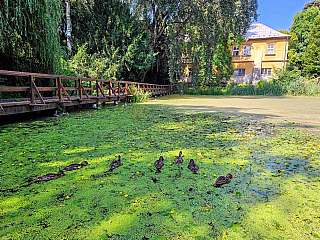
[{"x": 68, "y": 91}]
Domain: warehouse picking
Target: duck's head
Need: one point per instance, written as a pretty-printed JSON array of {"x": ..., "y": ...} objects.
[
  {"x": 61, "y": 173},
  {"x": 119, "y": 158},
  {"x": 180, "y": 153},
  {"x": 191, "y": 161},
  {"x": 229, "y": 176},
  {"x": 161, "y": 158},
  {"x": 84, "y": 163}
]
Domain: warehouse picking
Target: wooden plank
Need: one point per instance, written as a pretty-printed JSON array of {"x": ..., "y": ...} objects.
[
  {"x": 14, "y": 89},
  {"x": 10, "y": 104},
  {"x": 82, "y": 89},
  {"x": 47, "y": 89},
  {"x": 33, "y": 86},
  {"x": 99, "y": 88}
]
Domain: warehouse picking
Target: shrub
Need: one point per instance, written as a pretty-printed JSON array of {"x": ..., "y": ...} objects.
[{"x": 138, "y": 95}]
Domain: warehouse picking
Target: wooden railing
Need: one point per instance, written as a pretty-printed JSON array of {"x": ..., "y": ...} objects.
[{"x": 67, "y": 89}]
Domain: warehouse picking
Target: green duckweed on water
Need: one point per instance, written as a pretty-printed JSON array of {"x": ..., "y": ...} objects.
[{"x": 274, "y": 193}]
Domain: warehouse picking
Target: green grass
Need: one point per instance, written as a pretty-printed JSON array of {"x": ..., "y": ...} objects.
[{"x": 259, "y": 203}]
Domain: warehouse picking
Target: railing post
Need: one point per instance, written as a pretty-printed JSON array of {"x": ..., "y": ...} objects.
[
  {"x": 80, "y": 90},
  {"x": 118, "y": 89},
  {"x": 97, "y": 87},
  {"x": 110, "y": 89},
  {"x": 31, "y": 90},
  {"x": 60, "y": 89},
  {"x": 77, "y": 87},
  {"x": 56, "y": 91}
]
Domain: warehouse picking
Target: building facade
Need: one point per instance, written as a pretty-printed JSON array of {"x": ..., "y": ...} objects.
[{"x": 263, "y": 51}]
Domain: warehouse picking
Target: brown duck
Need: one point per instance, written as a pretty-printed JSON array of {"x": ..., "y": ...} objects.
[
  {"x": 75, "y": 166},
  {"x": 50, "y": 176},
  {"x": 159, "y": 164},
  {"x": 223, "y": 180},
  {"x": 192, "y": 166},
  {"x": 115, "y": 164},
  {"x": 179, "y": 159}
]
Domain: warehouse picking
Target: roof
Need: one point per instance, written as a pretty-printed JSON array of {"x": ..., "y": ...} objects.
[{"x": 259, "y": 30}]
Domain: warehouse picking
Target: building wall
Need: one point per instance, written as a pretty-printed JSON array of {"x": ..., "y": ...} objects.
[{"x": 259, "y": 59}]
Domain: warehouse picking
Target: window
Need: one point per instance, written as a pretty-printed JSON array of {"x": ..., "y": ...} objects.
[
  {"x": 235, "y": 51},
  {"x": 246, "y": 50},
  {"x": 239, "y": 72},
  {"x": 266, "y": 71},
  {"x": 270, "y": 49}
]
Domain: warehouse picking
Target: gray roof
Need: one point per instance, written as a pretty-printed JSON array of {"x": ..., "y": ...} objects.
[{"x": 259, "y": 30}]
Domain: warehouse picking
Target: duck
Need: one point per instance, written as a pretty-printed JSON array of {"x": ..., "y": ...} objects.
[
  {"x": 223, "y": 180},
  {"x": 75, "y": 166},
  {"x": 50, "y": 176},
  {"x": 159, "y": 164},
  {"x": 115, "y": 164},
  {"x": 179, "y": 159},
  {"x": 192, "y": 166}
]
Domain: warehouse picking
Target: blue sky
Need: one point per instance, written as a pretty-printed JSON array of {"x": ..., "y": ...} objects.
[{"x": 278, "y": 14}]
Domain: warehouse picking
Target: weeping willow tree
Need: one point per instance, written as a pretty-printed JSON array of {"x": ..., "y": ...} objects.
[
  {"x": 201, "y": 23},
  {"x": 29, "y": 35}
]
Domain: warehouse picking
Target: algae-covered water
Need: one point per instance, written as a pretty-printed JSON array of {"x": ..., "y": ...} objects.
[{"x": 274, "y": 193}]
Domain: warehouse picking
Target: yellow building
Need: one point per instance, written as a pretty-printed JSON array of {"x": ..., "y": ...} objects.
[{"x": 263, "y": 51}]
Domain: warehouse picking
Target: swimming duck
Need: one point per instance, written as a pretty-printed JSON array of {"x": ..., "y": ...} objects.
[
  {"x": 223, "y": 180},
  {"x": 159, "y": 164},
  {"x": 75, "y": 166},
  {"x": 179, "y": 159},
  {"x": 115, "y": 164},
  {"x": 192, "y": 166},
  {"x": 50, "y": 176}
]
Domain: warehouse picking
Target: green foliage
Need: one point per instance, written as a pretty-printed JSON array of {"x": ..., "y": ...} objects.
[
  {"x": 285, "y": 83},
  {"x": 314, "y": 3},
  {"x": 91, "y": 203},
  {"x": 311, "y": 59},
  {"x": 29, "y": 35},
  {"x": 200, "y": 23},
  {"x": 300, "y": 31},
  {"x": 112, "y": 44},
  {"x": 138, "y": 95}
]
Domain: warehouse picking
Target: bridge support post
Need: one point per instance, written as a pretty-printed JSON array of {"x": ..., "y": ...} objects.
[{"x": 31, "y": 90}]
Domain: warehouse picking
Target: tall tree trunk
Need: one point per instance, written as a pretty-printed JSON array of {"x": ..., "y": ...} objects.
[{"x": 68, "y": 9}]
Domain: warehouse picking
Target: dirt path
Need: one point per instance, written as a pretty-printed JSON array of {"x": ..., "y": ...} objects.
[{"x": 302, "y": 112}]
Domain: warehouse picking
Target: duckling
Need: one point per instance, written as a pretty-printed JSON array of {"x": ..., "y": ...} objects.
[
  {"x": 159, "y": 164},
  {"x": 75, "y": 166},
  {"x": 223, "y": 180},
  {"x": 179, "y": 159},
  {"x": 50, "y": 176},
  {"x": 115, "y": 164},
  {"x": 193, "y": 167}
]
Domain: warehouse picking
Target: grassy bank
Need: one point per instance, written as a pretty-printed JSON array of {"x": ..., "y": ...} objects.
[
  {"x": 274, "y": 193},
  {"x": 284, "y": 83}
]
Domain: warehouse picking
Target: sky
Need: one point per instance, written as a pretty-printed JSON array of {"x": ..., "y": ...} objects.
[{"x": 278, "y": 14}]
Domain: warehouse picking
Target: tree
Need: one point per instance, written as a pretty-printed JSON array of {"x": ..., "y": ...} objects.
[
  {"x": 314, "y": 3},
  {"x": 311, "y": 59},
  {"x": 300, "y": 30},
  {"x": 203, "y": 22},
  {"x": 68, "y": 22},
  {"x": 29, "y": 35},
  {"x": 112, "y": 40}
]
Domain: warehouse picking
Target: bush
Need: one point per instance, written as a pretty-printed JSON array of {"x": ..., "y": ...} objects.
[
  {"x": 284, "y": 83},
  {"x": 138, "y": 95}
]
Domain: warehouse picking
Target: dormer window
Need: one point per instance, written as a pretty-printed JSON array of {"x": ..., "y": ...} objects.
[
  {"x": 270, "y": 49},
  {"x": 235, "y": 51},
  {"x": 246, "y": 50}
]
